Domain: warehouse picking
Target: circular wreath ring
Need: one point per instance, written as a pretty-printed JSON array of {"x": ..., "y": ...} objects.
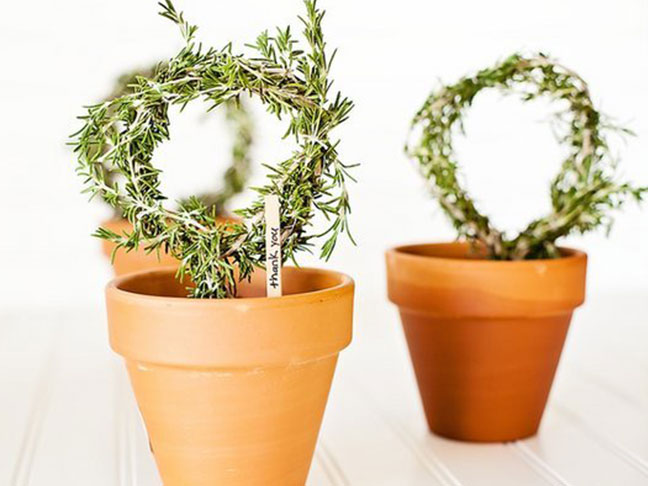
[
  {"x": 289, "y": 81},
  {"x": 582, "y": 192},
  {"x": 240, "y": 125}
]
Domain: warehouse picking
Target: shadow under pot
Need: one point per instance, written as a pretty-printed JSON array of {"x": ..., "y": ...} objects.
[
  {"x": 485, "y": 336},
  {"x": 232, "y": 391},
  {"x": 136, "y": 260}
]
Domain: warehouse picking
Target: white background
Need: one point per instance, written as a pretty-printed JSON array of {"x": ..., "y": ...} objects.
[
  {"x": 57, "y": 56},
  {"x": 65, "y": 416}
]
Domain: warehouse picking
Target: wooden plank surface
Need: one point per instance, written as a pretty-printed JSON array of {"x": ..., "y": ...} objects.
[{"x": 67, "y": 415}]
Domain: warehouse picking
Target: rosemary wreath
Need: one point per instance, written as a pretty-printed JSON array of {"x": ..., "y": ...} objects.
[
  {"x": 582, "y": 193},
  {"x": 290, "y": 82},
  {"x": 240, "y": 124}
]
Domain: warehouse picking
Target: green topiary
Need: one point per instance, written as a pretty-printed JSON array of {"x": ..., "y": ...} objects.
[
  {"x": 582, "y": 194},
  {"x": 290, "y": 82}
]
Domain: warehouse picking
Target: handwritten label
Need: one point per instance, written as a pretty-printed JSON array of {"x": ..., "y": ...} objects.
[{"x": 273, "y": 247}]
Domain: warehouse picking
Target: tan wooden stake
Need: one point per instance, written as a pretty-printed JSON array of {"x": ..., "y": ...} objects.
[{"x": 273, "y": 247}]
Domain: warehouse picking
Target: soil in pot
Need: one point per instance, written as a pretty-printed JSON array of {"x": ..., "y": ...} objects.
[
  {"x": 232, "y": 391},
  {"x": 485, "y": 336}
]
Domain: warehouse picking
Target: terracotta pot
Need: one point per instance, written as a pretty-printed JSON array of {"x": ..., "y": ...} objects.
[
  {"x": 232, "y": 391},
  {"x": 485, "y": 336},
  {"x": 132, "y": 261},
  {"x": 135, "y": 260}
]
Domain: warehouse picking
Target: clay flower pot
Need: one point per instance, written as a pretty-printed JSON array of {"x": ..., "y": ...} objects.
[
  {"x": 232, "y": 391},
  {"x": 485, "y": 336},
  {"x": 135, "y": 260}
]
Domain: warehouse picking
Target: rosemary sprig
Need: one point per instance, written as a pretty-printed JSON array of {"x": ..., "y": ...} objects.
[
  {"x": 240, "y": 124},
  {"x": 582, "y": 194},
  {"x": 291, "y": 82}
]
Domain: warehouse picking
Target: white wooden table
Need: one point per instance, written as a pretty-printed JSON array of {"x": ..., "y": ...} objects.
[{"x": 67, "y": 416}]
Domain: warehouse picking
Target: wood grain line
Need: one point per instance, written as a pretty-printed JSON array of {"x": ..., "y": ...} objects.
[
  {"x": 537, "y": 464},
  {"x": 133, "y": 418},
  {"x": 425, "y": 456},
  {"x": 124, "y": 437},
  {"x": 622, "y": 452},
  {"x": 607, "y": 386},
  {"x": 430, "y": 461},
  {"x": 40, "y": 404},
  {"x": 331, "y": 467}
]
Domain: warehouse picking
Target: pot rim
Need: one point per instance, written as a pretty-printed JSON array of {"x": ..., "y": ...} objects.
[
  {"x": 567, "y": 254},
  {"x": 344, "y": 281},
  {"x": 240, "y": 333},
  {"x": 443, "y": 280}
]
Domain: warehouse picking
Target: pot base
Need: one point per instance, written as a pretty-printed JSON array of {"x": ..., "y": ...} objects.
[
  {"x": 484, "y": 380},
  {"x": 233, "y": 427}
]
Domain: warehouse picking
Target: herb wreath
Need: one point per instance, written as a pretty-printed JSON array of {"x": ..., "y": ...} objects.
[
  {"x": 581, "y": 194},
  {"x": 289, "y": 82},
  {"x": 241, "y": 126}
]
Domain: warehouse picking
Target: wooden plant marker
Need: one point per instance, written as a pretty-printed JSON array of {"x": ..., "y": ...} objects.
[{"x": 273, "y": 246}]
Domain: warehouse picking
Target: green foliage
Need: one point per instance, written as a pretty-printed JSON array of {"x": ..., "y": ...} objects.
[
  {"x": 582, "y": 194},
  {"x": 292, "y": 83},
  {"x": 241, "y": 126}
]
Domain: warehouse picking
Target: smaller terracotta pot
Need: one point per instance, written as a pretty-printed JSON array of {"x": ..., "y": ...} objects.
[
  {"x": 485, "y": 336},
  {"x": 232, "y": 391},
  {"x": 136, "y": 260}
]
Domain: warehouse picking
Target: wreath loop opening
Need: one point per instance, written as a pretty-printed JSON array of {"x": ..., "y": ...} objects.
[{"x": 240, "y": 125}]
